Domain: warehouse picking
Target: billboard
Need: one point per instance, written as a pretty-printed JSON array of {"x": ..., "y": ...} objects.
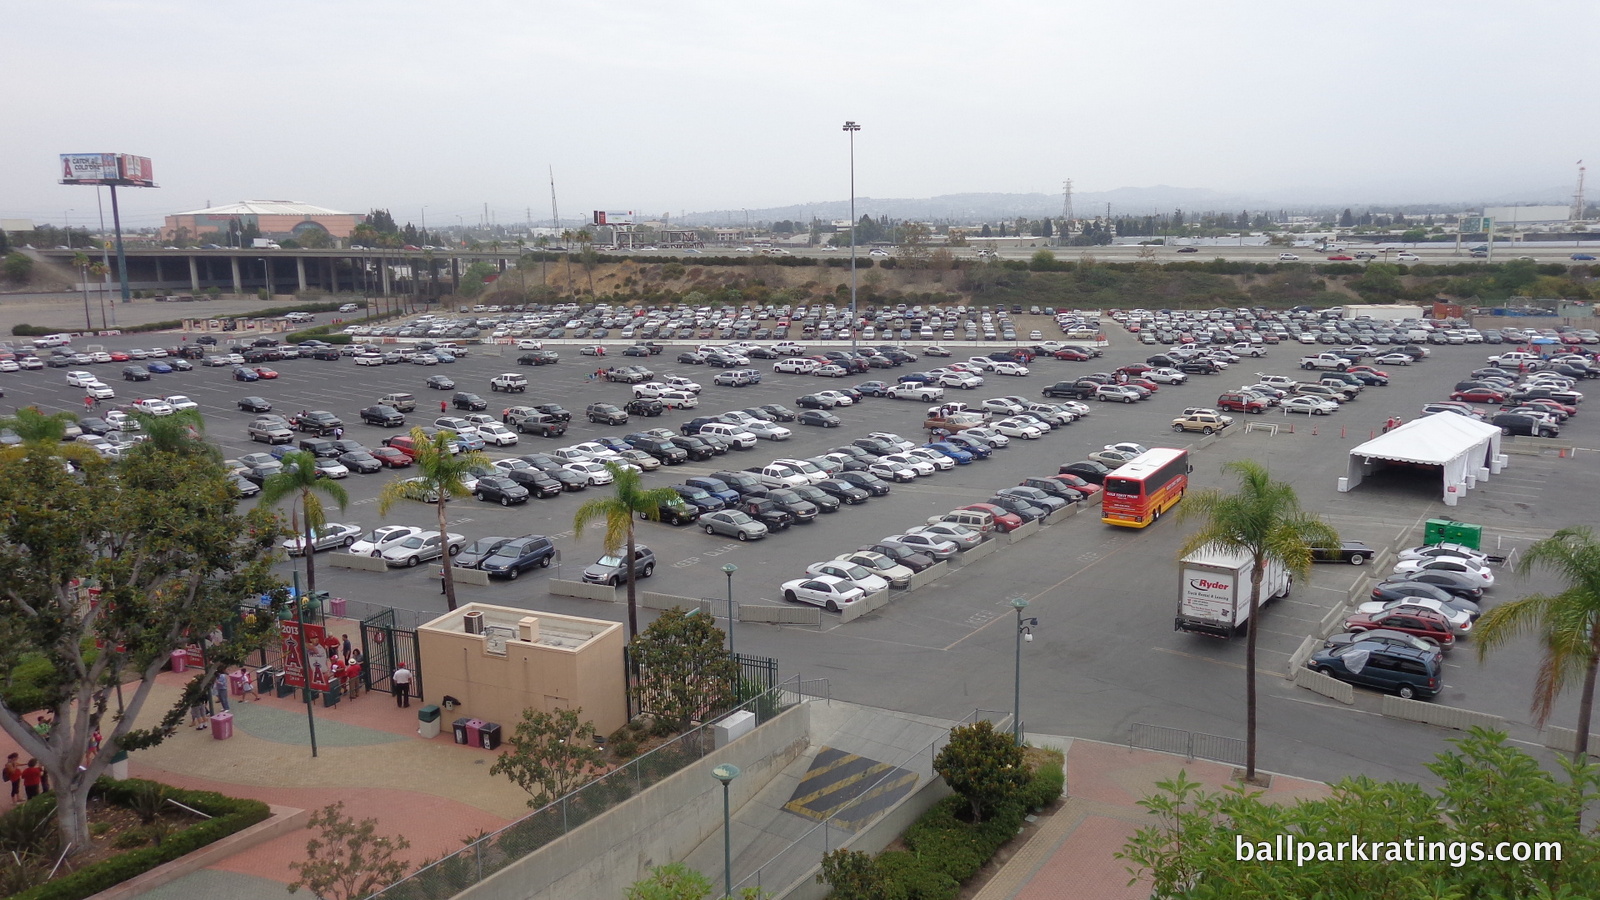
[
  {"x": 107, "y": 168},
  {"x": 316, "y": 658},
  {"x": 605, "y": 217}
]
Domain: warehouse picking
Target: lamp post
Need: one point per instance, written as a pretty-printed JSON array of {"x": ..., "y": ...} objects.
[
  {"x": 726, "y": 773},
  {"x": 1024, "y": 632},
  {"x": 728, "y": 570},
  {"x": 855, "y": 324}
]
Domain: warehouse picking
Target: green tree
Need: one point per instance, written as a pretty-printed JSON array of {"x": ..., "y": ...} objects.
[
  {"x": 913, "y": 247},
  {"x": 348, "y": 860},
  {"x": 1568, "y": 624},
  {"x": 299, "y": 483},
  {"x": 854, "y": 875},
  {"x": 550, "y": 755},
  {"x": 676, "y": 881},
  {"x": 629, "y": 498},
  {"x": 1205, "y": 845},
  {"x": 1347, "y": 219},
  {"x": 1264, "y": 521},
  {"x": 588, "y": 257},
  {"x": 685, "y": 672},
  {"x": 314, "y": 238},
  {"x": 158, "y": 536},
  {"x": 475, "y": 279},
  {"x": 440, "y": 470},
  {"x": 1043, "y": 260},
  {"x": 17, "y": 267},
  {"x": 984, "y": 766}
]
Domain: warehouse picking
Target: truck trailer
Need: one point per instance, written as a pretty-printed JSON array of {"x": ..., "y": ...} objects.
[{"x": 1214, "y": 591}]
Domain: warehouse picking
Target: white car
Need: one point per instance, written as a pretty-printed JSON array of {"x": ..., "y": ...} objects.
[
  {"x": 79, "y": 378},
  {"x": 939, "y": 460},
  {"x": 30, "y": 362},
  {"x": 1311, "y": 406},
  {"x": 330, "y": 535},
  {"x": 10, "y": 365},
  {"x": 676, "y": 399},
  {"x": 1394, "y": 359},
  {"x": 915, "y": 463},
  {"x": 1010, "y": 368},
  {"x": 331, "y": 468},
  {"x": 1073, "y": 406},
  {"x": 154, "y": 407},
  {"x": 981, "y": 362},
  {"x": 1454, "y": 551},
  {"x": 825, "y": 591},
  {"x": 890, "y": 437},
  {"x": 960, "y": 535},
  {"x": 1017, "y": 428},
  {"x": 180, "y": 402},
  {"x": 369, "y": 359},
  {"x": 988, "y": 435},
  {"x": 1287, "y": 257},
  {"x": 497, "y": 434},
  {"x": 99, "y": 391},
  {"x": 596, "y": 473},
  {"x": 1408, "y": 256},
  {"x": 830, "y": 371},
  {"x": 910, "y": 390},
  {"x": 965, "y": 380},
  {"x": 680, "y": 383},
  {"x": 100, "y": 356},
  {"x": 650, "y": 389},
  {"x": 809, "y": 470},
  {"x": 1001, "y": 406},
  {"x": 879, "y": 565},
  {"x": 768, "y": 430},
  {"x": 854, "y": 573},
  {"x": 838, "y": 398},
  {"x": 378, "y": 538},
  {"x": 530, "y": 344},
  {"x": 1165, "y": 375},
  {"x": 797, "y": 366},
  {"x": 421, "y": 547},
  {"x": 598, "y": 452},
  {"x": 1460, "y": 566}
]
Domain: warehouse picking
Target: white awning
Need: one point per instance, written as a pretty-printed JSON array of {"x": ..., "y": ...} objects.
[{"x": 1466, "y": 450}]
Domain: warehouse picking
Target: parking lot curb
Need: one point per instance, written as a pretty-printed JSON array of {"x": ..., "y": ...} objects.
[
  {"x": 1565, "y": 740},
  {"x": 928, "y": 576},
  {"x": 1327, "y": 686},
  {"x": 985, "y": 548},
  {"x": 469, "y": 576},
  {"x": 779, "y": 615},
  {"x": 1024, "y": 532},
  {"x": 583, "y": 589},
  {"x": 357, "y": 561},
  {"x": 1444, "y": 716}
]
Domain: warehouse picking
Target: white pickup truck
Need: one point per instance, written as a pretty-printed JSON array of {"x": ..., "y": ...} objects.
[{"x": 1325, "y": 361}]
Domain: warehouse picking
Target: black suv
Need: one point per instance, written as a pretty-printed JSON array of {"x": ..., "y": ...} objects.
[
  {"x": 660, "y": 448},
  {"x": 606, "y": 414},
  {"x": 649, "y": 407},
  {"x": 1070, "y": 389},
  {"x": 319, "y": 422},
  {"x": 320, "y": 449},
  {"x": 502, "y": 489},
  {"x": 517, "y": 556},
  {"x": 694, "y": 446},
  {"x": 538, "y": 358},
  {"x": 795, "y": 505},
  {"x": 538, "y": 482},
  {"x": 468, "y": 401},
  {"x": 699, "y": 498},
  {"x": 385, "y": 416},
  {"x": 135, "y": 373},
  {"x": 1518, "y": 423},
  {"x": 554, "y": 411}
]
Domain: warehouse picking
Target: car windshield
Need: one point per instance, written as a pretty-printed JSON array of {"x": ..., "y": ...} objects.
[
  {"x": 737, "y": 518},
  {"x": 609, "y": 561},
  {"x": 412, "y": 543},
  {"x": 696, "y": 494}
]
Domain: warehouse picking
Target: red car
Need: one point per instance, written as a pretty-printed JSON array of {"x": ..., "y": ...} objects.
[
  {"x": 1145, "y": 383},
  {"x": 1370, "y": 371},
  {"x": 1547, "y": 403},
  {"x": 1072, "y": 355},
  {"x": 391, "y": 458},
  {"x": 1084, "y": 488},
  {"x": 1342, "y": 258},
  {"x": 119, "y": 356},
  {"x": 1003, "y": 520},
  {"x": 1422, "y": 623},
  {"x": 1479, "y": 395},
  {"x": 265, "y": 372},
  {"x": 1135, "y": 369}
]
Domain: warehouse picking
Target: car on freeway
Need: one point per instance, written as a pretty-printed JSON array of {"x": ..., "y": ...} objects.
[
  {"x": 325, "y": 537},
  {"x": 1582, "y": 257}
]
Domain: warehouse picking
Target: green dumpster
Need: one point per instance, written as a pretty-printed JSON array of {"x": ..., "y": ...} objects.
[{"x": 1445, "y": 531}]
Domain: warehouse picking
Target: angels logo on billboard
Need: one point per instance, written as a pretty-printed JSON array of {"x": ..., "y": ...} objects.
[
  {"x": 88, "y": 168},
  {"x": 604, "y": 217}
]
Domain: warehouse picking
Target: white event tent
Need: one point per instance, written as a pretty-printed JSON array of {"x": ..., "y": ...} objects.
[{"x": 1465, "y": 450}]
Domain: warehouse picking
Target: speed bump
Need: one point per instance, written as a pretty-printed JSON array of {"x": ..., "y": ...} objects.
[{"x": 848, "y": 788}]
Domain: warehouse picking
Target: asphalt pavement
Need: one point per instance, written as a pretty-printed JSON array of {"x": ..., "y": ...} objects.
[{"x": 1104, "y": 655}]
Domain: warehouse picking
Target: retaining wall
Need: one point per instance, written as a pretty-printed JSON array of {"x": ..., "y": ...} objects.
[
  {"x": 1062, "y": 514},
  {"x": 1434, "y": 714},
  {"x": 985, "y": 548},
  {"x": 357, "y": 561},
  {"x": 1028, "y": 530},
  {"x": 1308, "y": 646},
  {"x": 583, "y": 589},
  {"x": 657, "y": 600},
  {"x": 873, "y": 839},
  {"x": 865, "y": 605}
]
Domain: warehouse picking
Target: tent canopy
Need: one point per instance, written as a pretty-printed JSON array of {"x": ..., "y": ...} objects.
[{"x": 1466, "y": 450}]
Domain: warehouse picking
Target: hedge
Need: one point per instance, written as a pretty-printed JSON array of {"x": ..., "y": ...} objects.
[{"x": 230, "y": 815}]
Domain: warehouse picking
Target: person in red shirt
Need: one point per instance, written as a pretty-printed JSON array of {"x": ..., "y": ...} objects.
[
  {"x": 352, "y": 678},
  {"x": 32, "y": 778}
]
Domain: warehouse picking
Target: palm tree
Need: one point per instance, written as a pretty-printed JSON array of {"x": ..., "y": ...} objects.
[
  {"x": 300, "y": 483},
  {"x": 44, "y": 433},
  {"x": 629, "y": 497},
  {"x": 177, "y": 432},
  {"x": 1265, "y": 522},
  {"x": 1568, "y": 623},
  {"x": 440, "y": 470}
]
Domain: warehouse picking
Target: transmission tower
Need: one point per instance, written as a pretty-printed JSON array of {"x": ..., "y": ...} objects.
[
  {"x": 1577, "y": 196},
  {"x": 555, "y": 217},
  {"x": 1066, "y": 202}
]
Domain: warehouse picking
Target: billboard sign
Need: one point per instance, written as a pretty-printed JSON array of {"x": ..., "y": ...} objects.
[
  {"x": 136, "y": 170},
  {"x": 89, "y": 168},
  {"x": 607, "y": 217},
  {"x": 315, "y": 659}
]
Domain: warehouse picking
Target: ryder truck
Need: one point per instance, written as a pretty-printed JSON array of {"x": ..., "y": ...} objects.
[{"x": 1214, "y": 591}]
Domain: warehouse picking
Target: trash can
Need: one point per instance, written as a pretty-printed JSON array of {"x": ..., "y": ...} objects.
[
  {"x": 180, "y": 660},
  {"x": 284, "y": 688},
  {"x": 428, "y": 721},
  {"x": 474, "y": 726},
  {"x": 336, "y": 606},
  {"x": 460, "y": 728},
  {"x": 489, "y": 735},
  {"x": 331, "y": 696},
  {"x": 222, "y": 726},
  {"x": 266, "y": 679}
]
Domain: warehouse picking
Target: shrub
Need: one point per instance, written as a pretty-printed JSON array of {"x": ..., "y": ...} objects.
[
  {"x": 625, "y": 748},
  {"x": 908, "y": 877},
  {"x": 959, "y": 849},
  {"x": 22, "y": 329},
  {"x": 1048, "y": 780}
]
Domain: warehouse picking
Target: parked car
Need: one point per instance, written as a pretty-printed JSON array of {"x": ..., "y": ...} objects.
[
  {"x": 512, "y": 558},
  {"x": 1353, "y": 552},
  {"x": 1407, "y": 671}
]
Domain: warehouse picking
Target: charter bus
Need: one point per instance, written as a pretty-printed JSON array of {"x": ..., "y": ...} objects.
[{"x": 1141, "y": 489}]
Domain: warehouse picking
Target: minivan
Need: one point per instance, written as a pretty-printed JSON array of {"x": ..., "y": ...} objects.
[
  {"x": 401, "y": 401},
  {"x": 1406, "y": 671}
]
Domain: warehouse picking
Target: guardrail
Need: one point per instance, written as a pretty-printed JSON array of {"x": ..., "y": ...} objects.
[
  {"x": 357, "y": 561},
  {"x": 583, "y": 589},
  {"x": 1444, "y": 716},
  {"x": 1191, "y": 744},
  {"x": 1326, "y": 685},
  {"x": 1565, "y": 740}
]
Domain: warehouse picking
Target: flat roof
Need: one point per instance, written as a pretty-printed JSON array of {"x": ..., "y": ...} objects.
[{"x": 555, "y": 630}]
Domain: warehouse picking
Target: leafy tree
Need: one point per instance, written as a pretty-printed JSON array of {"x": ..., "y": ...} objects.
[
  {"x": 913, "y": 247},
  {"x": 985, "y": 232},
  {"x": 381, "y": 222},
  {"x": 1205, "y": 845},
  {"x": 157, "y": 534},
  {"x": 685, "y": 672},
  {"x": 5, "y": 243},
  {"x": 348, "y": 860},
  {"x": 299, "y": 483},
  {"x": 474, "y": 279},
  {"x": 629, "y": 498},
  {"x": 676, "y": 881},
  {"x": 1048, "y": 228},
  {"x": 854, "y": 875},
  {"x": 1347, "y": 219},
  {"x": 550, "y": 755},
  {"x": 1043, "y": 260},
  {"x": 17, "y": 267},
  {"x": 440, "y": 468},
  {"x": 1265, "y": 522},
  {"x": 314, "y": 238},
  {"x": 1568, "y": 624},
  {"x": 984, "y": 766}
]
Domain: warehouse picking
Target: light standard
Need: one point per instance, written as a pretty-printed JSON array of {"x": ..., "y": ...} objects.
[
  {"x": 855, "y": 324},
  {"x": 1024, "y": 633},
  {"x": 728, "y": 570},
  {"x": 726, "y": 773}
]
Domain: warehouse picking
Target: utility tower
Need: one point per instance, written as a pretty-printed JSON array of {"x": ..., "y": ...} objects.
[
  {"x": 1066, "y": 202},
  {"x": 555, "y": 217},
  {"x": 1577, "y": 197}
]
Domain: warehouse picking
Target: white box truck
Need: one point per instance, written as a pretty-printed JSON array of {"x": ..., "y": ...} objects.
[{"x": 1214, "y": 591}]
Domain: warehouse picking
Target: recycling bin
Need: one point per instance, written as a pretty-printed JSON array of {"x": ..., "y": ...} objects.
[
  {"x": 474, "y": 726},
  {"x": 222, "y": 726},
  {"x": 428, "y": 721},
  {"x": 336, "y": 606},
  {"x": 460, "y": 728},
  {"x": 489, "y": 735},
  {"x": 331, "y": 696},
  {"x": 180, "y": 659}
]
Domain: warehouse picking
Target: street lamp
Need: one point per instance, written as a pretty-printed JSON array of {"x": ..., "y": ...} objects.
[
  {"x": 728, "y": 570},
  {"x": 1024, "y": 633},
  {"x": 726, "y": 773},
  {"x": 855, "y": 323}
]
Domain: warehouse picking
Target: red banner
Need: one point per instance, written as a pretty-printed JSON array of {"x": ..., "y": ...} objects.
[{"x": 316, "y": 658}]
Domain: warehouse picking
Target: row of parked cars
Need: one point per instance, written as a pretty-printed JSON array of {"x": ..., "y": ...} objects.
[
  {"x": 1527, "y": 394},
  {"x": 1396, "y": 641}
]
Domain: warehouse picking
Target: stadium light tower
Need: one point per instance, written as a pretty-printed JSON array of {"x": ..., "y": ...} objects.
[{"x": 855, "y": 320}]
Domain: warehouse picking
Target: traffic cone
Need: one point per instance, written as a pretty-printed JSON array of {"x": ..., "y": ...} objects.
[
  {"x": 1341, "y": 431},
  {"x": 1291, "y": 428}
]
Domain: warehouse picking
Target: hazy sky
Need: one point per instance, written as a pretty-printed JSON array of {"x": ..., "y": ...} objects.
[{"x": 687, "y": 105}]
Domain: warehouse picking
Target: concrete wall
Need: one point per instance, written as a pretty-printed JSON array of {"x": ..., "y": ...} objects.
[
  {"x": 865, "y": 605},
  {"x": 583, "y": 589},
  {"x": 1062, "y": 514},
  {"x": 928, "y": 576},
  {"x": 657, "y": 600},
  {"x": 1026, "y": 531},
  {"x": 357, "y": 561},
  {"x": 780, "y": 615},
  {"x": 1433, "y": 714},
  {"x": 1326, "y": 685},
  {"x": 469, "y": 576},
  {"x": 1565, "y": 740},
  {"x": 987, "y": 547},
  {"x": 603, "y": 857},
  {"x": 538, "y": 675}
]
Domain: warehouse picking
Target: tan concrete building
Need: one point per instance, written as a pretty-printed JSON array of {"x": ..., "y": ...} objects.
[
  {"x": 498, "y": 661},
  {"x": 273, "y": 218}
]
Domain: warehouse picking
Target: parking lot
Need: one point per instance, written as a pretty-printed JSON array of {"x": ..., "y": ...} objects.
[{"x": 1105, "y": 655}]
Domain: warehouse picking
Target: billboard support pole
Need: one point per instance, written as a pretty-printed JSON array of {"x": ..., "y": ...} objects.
[
  {"x": 305, "y": 662},
  {"x": 122, "y": 258}
]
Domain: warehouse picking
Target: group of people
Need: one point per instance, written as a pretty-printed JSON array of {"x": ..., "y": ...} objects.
[
  {"x": 27, "y": 781},
  {"x": 238, "y": 682},
  {"x": 1393, "y": 423}
]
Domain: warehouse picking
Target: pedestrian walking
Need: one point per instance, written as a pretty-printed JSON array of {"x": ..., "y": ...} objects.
[
  {"x": 344, "y": 645},
  {"x": 13, "y": 774},
  {"x": 88, "y": 404},
  {"x": 443, "y": 407},
  {"x": 243, "y": 685},
  {"x": 338, "y": 434},
  {"x": 402, "y": 686},
  {"x": 32, "y": 779},
  {"x": 219, "y": 693}
]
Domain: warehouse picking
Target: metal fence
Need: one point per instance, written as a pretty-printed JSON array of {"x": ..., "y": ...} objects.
[
  {"x": 1188, "y": 744},
  {"x": 829, "y": 834},
  {"x": 495, "y": 851}
]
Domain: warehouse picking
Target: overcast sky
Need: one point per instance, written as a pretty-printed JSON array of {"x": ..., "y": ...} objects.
[{"x": 688, "y": 105}]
